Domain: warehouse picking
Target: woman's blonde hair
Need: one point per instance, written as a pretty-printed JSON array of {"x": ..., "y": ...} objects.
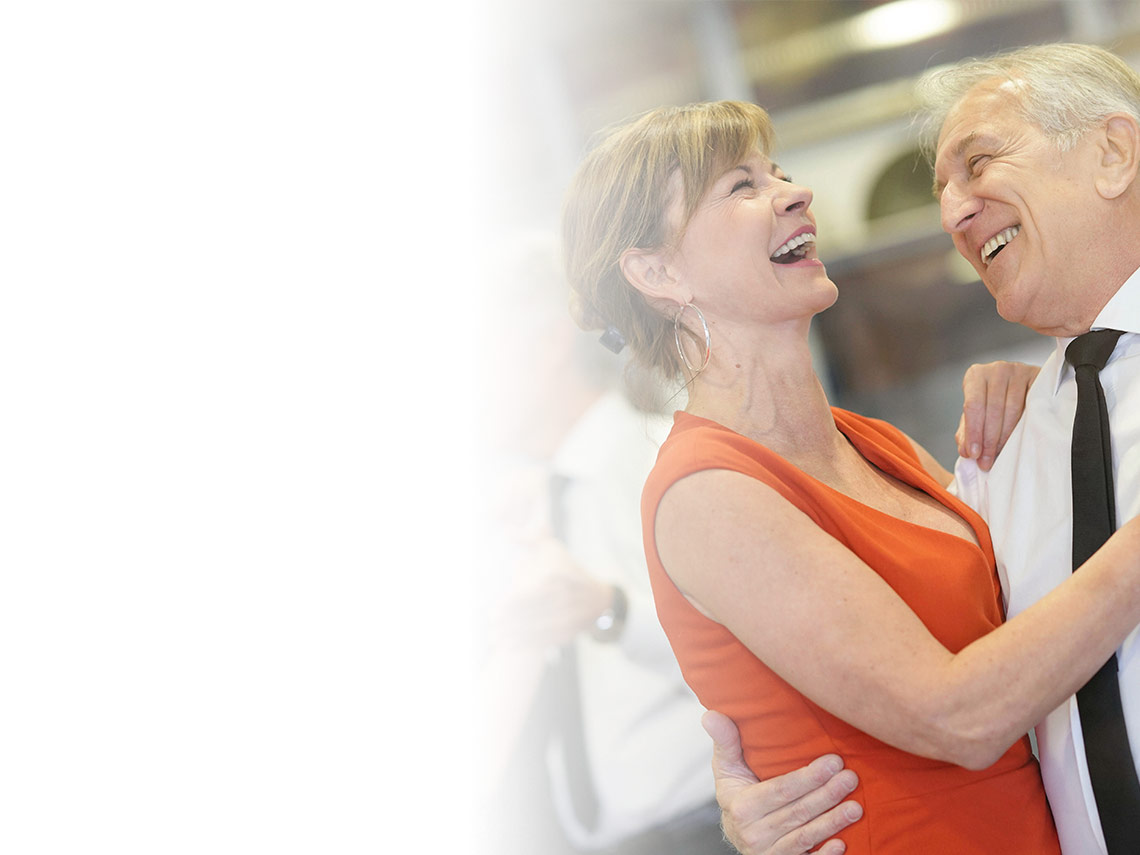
[{"x": 618, "y": 201}]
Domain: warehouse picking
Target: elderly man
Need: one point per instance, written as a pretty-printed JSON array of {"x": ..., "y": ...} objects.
[{"x": 1036, "y": 167}]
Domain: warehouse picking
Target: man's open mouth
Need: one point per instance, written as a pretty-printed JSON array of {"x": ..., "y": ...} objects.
[
  {"x": 794, "y": 250},
  {"x": 997, "y": 243}
]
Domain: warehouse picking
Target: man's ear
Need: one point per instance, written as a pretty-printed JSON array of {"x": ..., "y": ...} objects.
[
  {"x": 649, "y": 271},
  {"x": 1119, "y": 149}
]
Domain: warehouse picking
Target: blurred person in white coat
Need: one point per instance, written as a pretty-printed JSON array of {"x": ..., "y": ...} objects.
[{"x": 618, "y": 762}]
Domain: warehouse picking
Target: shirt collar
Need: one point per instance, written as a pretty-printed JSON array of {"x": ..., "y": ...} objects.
[{"x": 1121, "y": 312}]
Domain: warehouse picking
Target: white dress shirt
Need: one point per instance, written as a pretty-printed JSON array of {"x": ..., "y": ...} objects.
[{"x": 1026, "y": 498}]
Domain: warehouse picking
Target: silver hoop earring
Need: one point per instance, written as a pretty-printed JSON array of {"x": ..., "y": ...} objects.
[{"x": 677, "y": 338}]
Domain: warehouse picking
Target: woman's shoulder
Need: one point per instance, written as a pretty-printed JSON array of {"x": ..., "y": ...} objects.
[{"x": 697, "y": 444}]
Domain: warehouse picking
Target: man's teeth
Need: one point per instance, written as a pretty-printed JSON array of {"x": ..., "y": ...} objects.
[
  {"x": 794, "y": 246},
  {"x": 997, "y": 242}
]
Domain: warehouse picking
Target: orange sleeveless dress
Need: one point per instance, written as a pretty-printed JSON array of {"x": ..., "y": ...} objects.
[{"x": 911, "y": 804}]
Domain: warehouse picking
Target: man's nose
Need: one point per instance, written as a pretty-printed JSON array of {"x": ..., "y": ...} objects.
[{"x": 958, "y": 207}]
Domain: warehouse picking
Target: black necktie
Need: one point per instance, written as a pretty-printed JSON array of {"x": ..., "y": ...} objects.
[{"x": 1111, "y": 769}]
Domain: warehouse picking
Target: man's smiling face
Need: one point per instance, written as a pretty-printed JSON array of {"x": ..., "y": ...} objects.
[{"x": 1020, "y": 210}]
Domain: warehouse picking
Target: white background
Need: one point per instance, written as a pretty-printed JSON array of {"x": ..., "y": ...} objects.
[{"x": 232, "y": 459}]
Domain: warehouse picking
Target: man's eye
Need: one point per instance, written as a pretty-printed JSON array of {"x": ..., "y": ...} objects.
[
  {"x": 742, "y": 183},
  {"x": 978, "y": 160}
]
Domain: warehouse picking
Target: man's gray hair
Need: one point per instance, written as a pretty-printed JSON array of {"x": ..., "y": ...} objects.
[{"x": 1064, "y": 89}]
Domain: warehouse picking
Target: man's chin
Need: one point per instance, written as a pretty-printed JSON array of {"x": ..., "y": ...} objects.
[
  {"x": 1009, "y": 308},
  {"x": 1009, "y": 312}
]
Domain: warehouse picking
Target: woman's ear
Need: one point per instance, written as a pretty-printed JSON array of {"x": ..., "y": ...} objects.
[
  {"x": 650, "y": 273},
  {"x": 1119, "y": 147}
]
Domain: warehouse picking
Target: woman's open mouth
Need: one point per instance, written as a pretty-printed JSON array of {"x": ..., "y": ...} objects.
[{"x": 794, "y": 250}]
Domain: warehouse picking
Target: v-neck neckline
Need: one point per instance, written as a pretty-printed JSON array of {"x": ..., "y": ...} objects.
[{"x": 910, "y": 474}]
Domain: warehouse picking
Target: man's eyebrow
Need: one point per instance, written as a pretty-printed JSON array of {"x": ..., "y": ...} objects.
[{"x": 965, "y": 143}]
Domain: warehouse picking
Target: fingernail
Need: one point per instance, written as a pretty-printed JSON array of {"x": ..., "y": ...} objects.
[
  {"x": 975, "y": 450},
  {"x": 832, "y": 765},
  {"x": 853, "y": 811}
]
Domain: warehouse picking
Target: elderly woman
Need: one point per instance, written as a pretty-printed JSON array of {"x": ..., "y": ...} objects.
[{"x": 817, "y": 582}]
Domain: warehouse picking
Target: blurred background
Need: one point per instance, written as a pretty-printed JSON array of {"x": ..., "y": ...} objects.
[{"x": 836, "y": 75}]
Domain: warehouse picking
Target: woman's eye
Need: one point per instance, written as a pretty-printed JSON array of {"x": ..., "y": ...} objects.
[
  {"x": 787, "y": 178},
  {"x": 743, "y": 183}
]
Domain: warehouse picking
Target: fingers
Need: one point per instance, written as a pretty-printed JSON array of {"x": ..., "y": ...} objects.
[
  {"x": 803, "y": 824},
  {"x": 728, "y": 756},
  {"x": 804, "y": 794},
  {"x": 993, "y": 401},
  {"x": 960, "y": 437},
  {"x": 973, "y": 412},
  {"x": 787, "y": 815},
  {"x": 984, "y": 392},
  {"x": 1017, "y": 391},
  {"x": 996, "y": 395},
  {"x": 806, "y": 838},
  {"x": 792, "y": 813}
]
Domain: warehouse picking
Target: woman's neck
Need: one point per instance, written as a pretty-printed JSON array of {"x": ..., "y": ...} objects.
[{"x": 769, "y": 392}]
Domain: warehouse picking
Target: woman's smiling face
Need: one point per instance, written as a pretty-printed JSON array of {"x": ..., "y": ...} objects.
[{"x": 752, "y": 233}]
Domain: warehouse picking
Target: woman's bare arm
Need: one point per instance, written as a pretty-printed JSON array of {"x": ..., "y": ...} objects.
[{"x": 829, "y": 625}]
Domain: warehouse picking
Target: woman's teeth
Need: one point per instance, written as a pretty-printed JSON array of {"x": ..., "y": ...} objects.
[
  {"x": 994, "y": 244},
  {"x": 794, "y": 249}
]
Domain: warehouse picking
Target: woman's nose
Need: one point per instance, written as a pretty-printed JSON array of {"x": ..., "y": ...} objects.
[{"x": 794, "y": 197}]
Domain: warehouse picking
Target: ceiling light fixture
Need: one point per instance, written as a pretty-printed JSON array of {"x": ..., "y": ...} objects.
[{"x": 903, "y": 22}]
